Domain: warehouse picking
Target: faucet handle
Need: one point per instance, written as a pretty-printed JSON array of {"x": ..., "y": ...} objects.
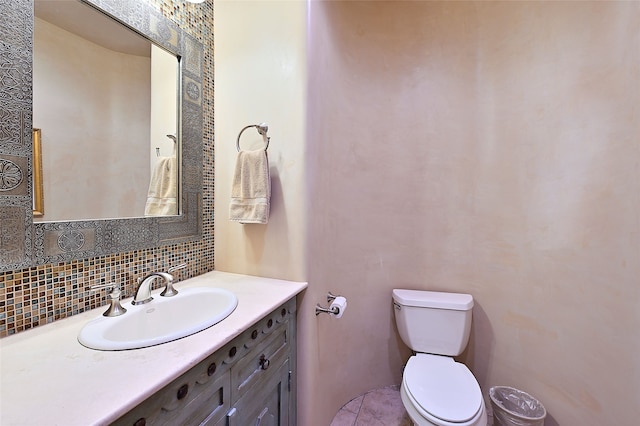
[
  {"x": 169, "y": 290},
  {"x": 177, "y": 267},
  {"x": 115, "y": 308},
  {"x": 101, "y": 286},
  {"x": 113, "y": 287}
]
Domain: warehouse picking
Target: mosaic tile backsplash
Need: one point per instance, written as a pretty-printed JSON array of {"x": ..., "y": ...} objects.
[{"x": 39, "y": 295}]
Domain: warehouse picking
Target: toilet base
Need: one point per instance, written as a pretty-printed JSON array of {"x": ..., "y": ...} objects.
[{"x": 418, "y": 420}]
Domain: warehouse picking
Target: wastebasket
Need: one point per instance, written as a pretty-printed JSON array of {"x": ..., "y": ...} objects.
[{"x": 513, "y": 407}]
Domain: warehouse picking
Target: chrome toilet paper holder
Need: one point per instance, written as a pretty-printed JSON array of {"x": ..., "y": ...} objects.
[{"x": 320, "y": 309}]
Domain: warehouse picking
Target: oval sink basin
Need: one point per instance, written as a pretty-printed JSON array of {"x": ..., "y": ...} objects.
[{"x": 160, "y": 321}]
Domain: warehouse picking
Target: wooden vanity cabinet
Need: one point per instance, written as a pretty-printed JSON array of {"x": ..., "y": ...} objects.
[{"x": 249, "y": 381}]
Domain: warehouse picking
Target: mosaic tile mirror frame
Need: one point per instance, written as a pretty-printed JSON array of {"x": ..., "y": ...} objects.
[{"x": 24, "y": 243}]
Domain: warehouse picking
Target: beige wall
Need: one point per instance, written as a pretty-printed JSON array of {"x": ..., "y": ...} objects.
[
  {"x": 485, "y": 147},
  {"x": 260, "y": 76},
  {"x": 95, "y": 126}
]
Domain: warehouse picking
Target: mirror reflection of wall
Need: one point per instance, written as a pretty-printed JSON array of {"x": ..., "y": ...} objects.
[
  {"x": 93, "y": 101},
  {"x": 164, "y": 111},
  {"x": 162, "y": 196}
]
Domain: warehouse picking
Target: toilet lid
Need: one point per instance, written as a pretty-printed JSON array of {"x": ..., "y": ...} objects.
[{"x": 442, "y": 387}]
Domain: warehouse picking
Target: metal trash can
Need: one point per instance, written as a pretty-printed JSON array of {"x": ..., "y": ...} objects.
[{"x": 513, "y": 407}]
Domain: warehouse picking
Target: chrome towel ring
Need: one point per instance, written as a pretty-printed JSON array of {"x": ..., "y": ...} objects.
[{"x": 262, "y": 129}]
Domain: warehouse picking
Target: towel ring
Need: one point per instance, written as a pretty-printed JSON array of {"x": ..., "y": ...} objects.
[{"x": 262, "y": 129}]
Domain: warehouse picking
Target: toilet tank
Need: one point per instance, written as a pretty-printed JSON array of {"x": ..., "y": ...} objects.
[{"x": 433, "y": 322}]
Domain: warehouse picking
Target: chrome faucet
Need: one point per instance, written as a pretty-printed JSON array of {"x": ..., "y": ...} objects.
[{"x": 143, "y": 294}]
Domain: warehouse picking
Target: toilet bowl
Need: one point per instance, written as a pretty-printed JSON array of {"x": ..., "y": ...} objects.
[{"x": 437, "y": 390}]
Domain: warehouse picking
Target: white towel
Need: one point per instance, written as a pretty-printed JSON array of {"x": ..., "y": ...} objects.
[
  {"x": 251, "y": 188},
  {"x": 161, "y": 198}
]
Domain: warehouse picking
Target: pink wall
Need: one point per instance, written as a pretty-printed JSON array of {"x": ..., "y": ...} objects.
[{"x": 489, "y": 148}]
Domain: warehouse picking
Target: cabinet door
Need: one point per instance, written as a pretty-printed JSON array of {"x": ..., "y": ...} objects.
[
  {"x": 249, "y": 372},
  {"x": 193, "y": 399},
  {"x": 265, "y": 405},
  {"x": 211, "y": 422}
]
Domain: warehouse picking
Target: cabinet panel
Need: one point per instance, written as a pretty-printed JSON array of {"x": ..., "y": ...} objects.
[
  {"x": 183, "y": 402},
  {"x": 266, "y": 404},
  {"x": 255, "y": 366},
  {"x": 222, "y": 422}
]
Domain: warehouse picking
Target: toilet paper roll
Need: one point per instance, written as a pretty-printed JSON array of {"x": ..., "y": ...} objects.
[{"x": 338, "y": 306}]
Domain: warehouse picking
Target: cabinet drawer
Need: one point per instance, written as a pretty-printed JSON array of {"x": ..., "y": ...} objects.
[
  {"x": 258, "y": 363},
  {"x": 200, "y": 395}
]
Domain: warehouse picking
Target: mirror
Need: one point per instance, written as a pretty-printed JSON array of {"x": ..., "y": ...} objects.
[
  {"x": 106, "y": 100},
  {"x": 24, "y": 242}
]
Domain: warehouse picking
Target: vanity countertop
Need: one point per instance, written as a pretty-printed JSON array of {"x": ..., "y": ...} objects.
[{"x": 48, "y": 378}]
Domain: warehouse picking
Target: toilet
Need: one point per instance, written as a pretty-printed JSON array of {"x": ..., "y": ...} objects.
[{"x": 437, "y": 390}]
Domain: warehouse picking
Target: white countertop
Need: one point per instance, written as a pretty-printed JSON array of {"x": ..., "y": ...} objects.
[{"x": 48, "y": 378}]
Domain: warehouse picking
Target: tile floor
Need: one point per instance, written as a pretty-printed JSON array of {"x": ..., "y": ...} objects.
[{"x": 379, "y": 407}]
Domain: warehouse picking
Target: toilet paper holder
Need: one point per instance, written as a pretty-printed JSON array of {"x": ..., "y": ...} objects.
[{"x": 330, "y": 310}]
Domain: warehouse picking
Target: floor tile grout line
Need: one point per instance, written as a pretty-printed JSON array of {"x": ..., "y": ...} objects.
[{"x": 356, "y": 411}]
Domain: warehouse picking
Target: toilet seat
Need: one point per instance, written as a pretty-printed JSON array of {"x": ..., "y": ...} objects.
[{"x": 443, "y": 390}]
